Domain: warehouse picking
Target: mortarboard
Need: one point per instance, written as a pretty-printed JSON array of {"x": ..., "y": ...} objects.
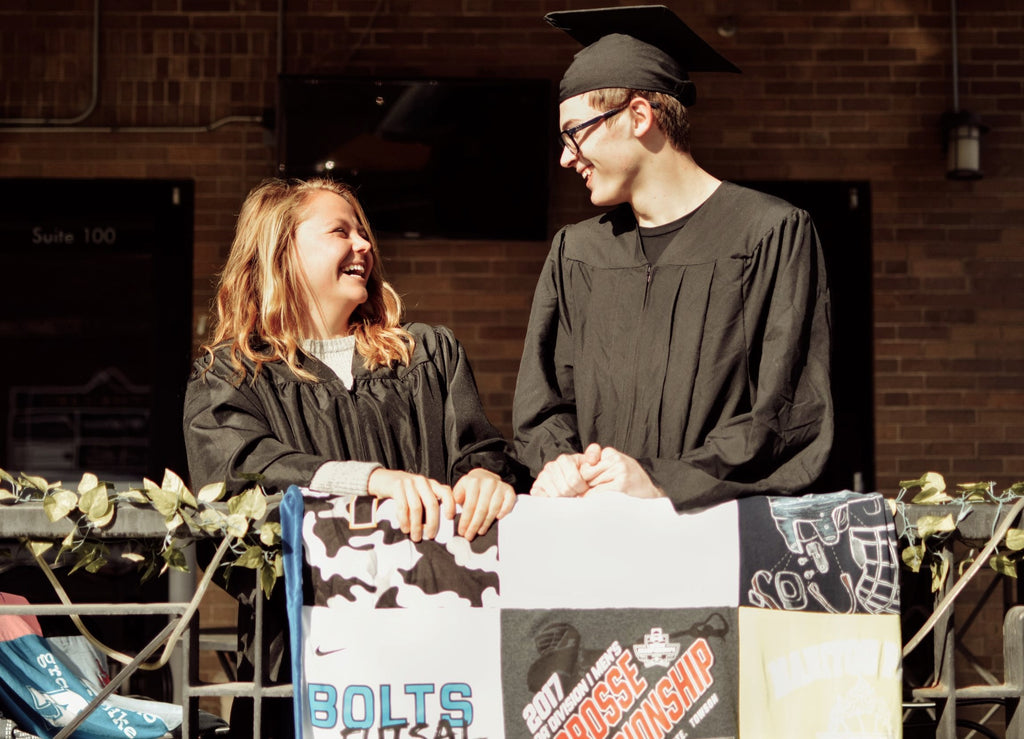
[{"x": 642, "y": 47}]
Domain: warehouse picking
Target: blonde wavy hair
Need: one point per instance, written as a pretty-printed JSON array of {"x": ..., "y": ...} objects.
[{"x": 261, "y": 299}]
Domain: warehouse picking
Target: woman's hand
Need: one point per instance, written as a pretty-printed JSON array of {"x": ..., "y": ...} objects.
[
  {"x": 484, "y": 497},
  {"x": 418, "y": 499}
]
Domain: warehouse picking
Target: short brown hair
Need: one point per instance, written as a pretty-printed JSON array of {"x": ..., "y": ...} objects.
[{"x": 670, "y": 114}]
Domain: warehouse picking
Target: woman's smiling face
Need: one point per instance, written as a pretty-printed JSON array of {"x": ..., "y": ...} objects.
[{"x": 336, "y": 256}]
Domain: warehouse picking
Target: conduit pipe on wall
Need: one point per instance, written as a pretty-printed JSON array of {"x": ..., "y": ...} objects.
[
  {"x": 95, "y": 85},
  {"x": 263, "y": 120},
  {"x": 69, "y": 125}
]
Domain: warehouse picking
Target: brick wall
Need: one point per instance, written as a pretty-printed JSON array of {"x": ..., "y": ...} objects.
[{"x": 832, "y": 89}]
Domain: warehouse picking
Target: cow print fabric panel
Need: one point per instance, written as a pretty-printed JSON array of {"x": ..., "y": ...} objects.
[{"x": 364, "y": 558}]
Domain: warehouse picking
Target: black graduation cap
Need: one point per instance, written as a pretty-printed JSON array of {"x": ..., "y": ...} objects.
[{"x": 642, "y": 47}]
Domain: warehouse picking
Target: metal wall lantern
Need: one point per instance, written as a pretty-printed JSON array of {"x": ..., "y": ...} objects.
[
  {"x": 961, "y": 131},
  {"x": 961, "y": 137}
]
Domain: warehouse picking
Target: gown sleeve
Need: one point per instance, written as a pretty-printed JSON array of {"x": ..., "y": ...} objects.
[
  {"x": 471, "y": 439},
  {"x": 782, "y": 444},
  {"x": 229, "y": 438},
  {"x": 544, "y": 409}
]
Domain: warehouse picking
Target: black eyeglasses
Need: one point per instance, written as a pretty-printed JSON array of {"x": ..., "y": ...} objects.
[{"x": 567, "y": 138}]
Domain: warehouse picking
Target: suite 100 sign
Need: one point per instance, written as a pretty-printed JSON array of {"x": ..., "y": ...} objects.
[{"x": 89, "y": 235}]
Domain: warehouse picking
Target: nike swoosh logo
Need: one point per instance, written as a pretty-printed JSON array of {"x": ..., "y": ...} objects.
[{"x": 324, "y": 652}]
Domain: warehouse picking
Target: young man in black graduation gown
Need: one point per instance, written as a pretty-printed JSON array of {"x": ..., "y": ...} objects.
[{"x": 678, "y": 344}]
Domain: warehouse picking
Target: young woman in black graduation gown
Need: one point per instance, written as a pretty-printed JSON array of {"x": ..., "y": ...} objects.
[{"x": 312, "y": 380}]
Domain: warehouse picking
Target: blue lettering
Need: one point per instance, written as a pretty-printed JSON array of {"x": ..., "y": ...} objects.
[
  {"x": 348, "y": 719},
  {"x": 357, "y": 708},
  {"x": 420, "y": 690},
  {"x": 385, "y": 709},
  {"x": 322, "y": 713},
  {"x": 450, "y": 692}
]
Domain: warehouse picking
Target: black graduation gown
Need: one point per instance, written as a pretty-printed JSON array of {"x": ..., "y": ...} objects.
[
  {"x": 710, "y": 367},
  {"x": 424, "y": 418}
]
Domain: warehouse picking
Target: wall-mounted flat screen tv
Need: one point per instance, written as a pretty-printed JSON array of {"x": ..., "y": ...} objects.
[{"x": 430, "y": 158}]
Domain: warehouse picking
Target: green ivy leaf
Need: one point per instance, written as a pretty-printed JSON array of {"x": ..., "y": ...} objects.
[
  {"x": 89, "y": 482},
  {"x": 87, "y": 556},
  {"x": 164, "y": 501},
  {"x": 1004, "y": 565},
  {"x": 940, "y": 571},
  {"x": 270, "y": 534},
  {"x": 268, "y": 577},
  {"x": 59, "y": 504},
  {"x": 151, "y": 571},
  {"x": 252, "y": 504},
  {"x": 95, "y": 504},
  {"x": 37, "y": 483},
  {"x": 930, "y": 525},
  {"x": 933, "y": 487},
  {"x": 176, "y": 485},
  {"x": 932, "y": 495},
  {"x": 976, "y": 492},
  {"x": 237, "y": 525},
  {"x": 190, "y": 524},
  {"x": 212, "y": 493},
  {"x": 251, "y": 558},
  {"x": 175, "y": 558},
  {"x": 913, "y": 556},
  {"x": 930, "y": 479},
  {"x": 133, "y": 496},
  {"x": 212, "y": 521},
  {"x": 1015, "y": 539}
]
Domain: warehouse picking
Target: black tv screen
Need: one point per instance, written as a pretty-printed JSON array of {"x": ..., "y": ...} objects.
[{"x": 429, "y": 158}]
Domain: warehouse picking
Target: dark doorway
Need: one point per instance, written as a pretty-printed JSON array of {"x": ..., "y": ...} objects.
[
  {"x": 842, "y": 215},
  {"x": 95, "y": 323},
  {"x": 95, "y": 320}
]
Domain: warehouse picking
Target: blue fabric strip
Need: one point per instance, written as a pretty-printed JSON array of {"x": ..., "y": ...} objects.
[{"x": 291, "y": 510}]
